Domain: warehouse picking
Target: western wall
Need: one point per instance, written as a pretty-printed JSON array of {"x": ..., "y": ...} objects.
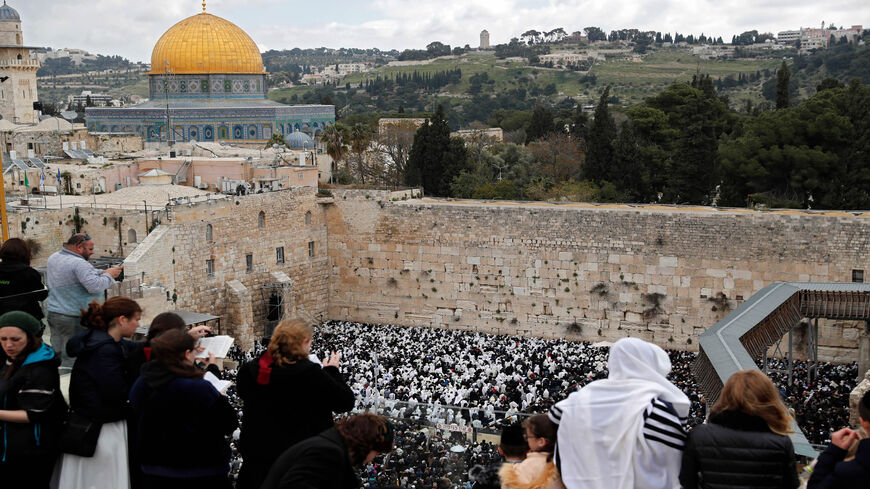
[{"x": 660, "y": 273}]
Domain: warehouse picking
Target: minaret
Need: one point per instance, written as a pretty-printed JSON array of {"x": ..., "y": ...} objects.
[{"x": 18, "y": 67}]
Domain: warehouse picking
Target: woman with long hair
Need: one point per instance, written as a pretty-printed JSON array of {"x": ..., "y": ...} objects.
[
  {"x": 31, "y": 404},
  {"x": 21, "y": 287},
  {"x": 287, "y": 398},
  {"x": 99, "y": 390},
  {"x": 537, "y": 471},
  {"x": 745, "y": 442},
  {"x": 180, "y": 420},
  {"x": 330, "y": 460}
]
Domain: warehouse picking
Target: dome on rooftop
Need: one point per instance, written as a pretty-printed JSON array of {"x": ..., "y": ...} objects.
[
  {"x": 8, "y": 13},
  {"x": 206, "y": 43},
  {"x": 299, "y": 140}
]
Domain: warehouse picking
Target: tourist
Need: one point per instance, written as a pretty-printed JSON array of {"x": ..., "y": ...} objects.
[
  {"x": 330, "y": 460},
  {"x": 287, "y": 398},
  {"x": 626, "y": 431},
  {"x": 537, "y": 471},
  {"x": 32, "y": 407},
  {"x": 21, "y": 286},
  {"x": 512, "y": 447},
  {"x": 73, "y": 283},
  {"x": 831, "y": 471},
  {"x": 99, "y": 391},
  {"x": 181, "y": 420},
  {"x": 745, "y": 443}
]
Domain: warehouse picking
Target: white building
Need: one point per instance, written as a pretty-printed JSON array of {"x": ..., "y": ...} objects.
[{"x": 788, "y": 37}]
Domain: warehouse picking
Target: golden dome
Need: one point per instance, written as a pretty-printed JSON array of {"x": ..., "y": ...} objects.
[{"x": 205, "y": 43}]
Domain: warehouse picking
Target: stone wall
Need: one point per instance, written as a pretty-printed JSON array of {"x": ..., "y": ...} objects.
[
  {"x": 592, "y": 272},
  {"x": 110, "y": 229},
  {"x": 177, "y": 254}
]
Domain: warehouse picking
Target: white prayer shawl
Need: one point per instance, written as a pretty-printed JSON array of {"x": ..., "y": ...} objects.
[{"x": 600, "y": 439}]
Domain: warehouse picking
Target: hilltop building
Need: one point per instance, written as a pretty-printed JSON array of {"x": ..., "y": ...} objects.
[
  {"x": 18, "y": 66},
  {"x": 484, "y": 39},
  {"x": 208, "y": 83}
]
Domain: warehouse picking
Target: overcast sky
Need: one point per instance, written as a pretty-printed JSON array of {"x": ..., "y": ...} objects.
[{"x": 131, "y": 27}]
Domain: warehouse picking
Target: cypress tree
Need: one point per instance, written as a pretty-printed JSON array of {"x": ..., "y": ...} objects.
[
  {"x": 600, "y": 138},
  {"x": 783, "y": 77}
]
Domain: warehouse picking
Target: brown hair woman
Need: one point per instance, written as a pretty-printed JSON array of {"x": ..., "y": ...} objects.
[
  {"x": 181, "y": 420},
  {"x": 745, "y": 442},
  {"x": 99, "y": 390}
]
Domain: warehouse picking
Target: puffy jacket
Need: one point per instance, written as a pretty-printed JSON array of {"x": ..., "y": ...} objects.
[
  {"x": 180, "y": 425},
  {"x": 100, "y": 383},
  {"x": 17, "y": 279},
  {"x": 287, "y": 404},
  {"x": 35, "y": 388},
  {"x": 737, "y": 451},
  {"x": 831, "y": 472}
]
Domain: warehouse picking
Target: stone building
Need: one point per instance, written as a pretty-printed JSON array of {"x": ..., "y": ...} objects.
[
  {"x": 18, "y": 67},
  {"x": 208, "y": 83},
  {"x": 484, "y": 39}
]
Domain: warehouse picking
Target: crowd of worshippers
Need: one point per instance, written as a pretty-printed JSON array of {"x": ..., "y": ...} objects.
[{"x": 143, "y": 414}]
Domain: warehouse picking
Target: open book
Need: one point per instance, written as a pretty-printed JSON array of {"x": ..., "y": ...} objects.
[
  {"x": 220, "y": 385},
  {"x": 219, "y": 345}
]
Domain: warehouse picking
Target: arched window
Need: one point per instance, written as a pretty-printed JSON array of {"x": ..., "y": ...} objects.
[
  {"x": 308, "y": 218},
  {"x": 131, "y": 235},
  {"x": 208, "y": 233},
  {"x": 261, "y": 220}
]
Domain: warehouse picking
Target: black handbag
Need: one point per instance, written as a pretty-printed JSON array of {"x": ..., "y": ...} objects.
[{"x": 79, "y": 435}]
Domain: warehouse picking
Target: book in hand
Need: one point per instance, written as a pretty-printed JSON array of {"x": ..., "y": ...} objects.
[
  {"x": 220, "y": 385},
  {"x": 219, "y": 345}
]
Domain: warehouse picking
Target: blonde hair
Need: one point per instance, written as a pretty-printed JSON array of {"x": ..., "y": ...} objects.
[
  {"x": 285, "y": 347},
  {"x": 753, "y": 393}
]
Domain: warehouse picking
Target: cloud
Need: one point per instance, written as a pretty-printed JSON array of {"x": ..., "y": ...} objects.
[{"x": 130, "y": 29}]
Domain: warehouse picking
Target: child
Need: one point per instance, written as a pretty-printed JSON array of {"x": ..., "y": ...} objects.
[
  {"x": 512, "y": 447},
  {"x": 537, "y": 471}
]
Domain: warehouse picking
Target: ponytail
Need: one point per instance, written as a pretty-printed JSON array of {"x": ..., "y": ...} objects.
[{"x": 102, "y": 317}]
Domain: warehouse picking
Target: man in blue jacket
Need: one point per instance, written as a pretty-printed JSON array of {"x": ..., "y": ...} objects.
[
  {"x": 72, "y": 284},
  {"x": 831, "y": 471}
]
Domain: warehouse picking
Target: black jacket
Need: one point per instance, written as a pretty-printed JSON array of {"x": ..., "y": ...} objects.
[
  {"x": 35, "y": 388},
  {"x": 292, "y": 403},
  {"x": 737, "y": 451},
  {"x": 320, "y": 462},
  {"x": 17, "y": 279},
  {"x": 180, "y": 424},
  {"x": 100, "y": 383},
  {"x": 832, "y": 473}
]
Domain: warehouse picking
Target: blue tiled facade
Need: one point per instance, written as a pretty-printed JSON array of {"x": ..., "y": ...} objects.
[{"x": 210, "y": 107}]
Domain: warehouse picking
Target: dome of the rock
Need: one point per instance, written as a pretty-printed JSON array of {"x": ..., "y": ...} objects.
[{"x": 206, "y": 43}]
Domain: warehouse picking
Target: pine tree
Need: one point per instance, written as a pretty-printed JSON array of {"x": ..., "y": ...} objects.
[
  {"x": 600, "y": 138},
  {"x": 783, "y": 76}
]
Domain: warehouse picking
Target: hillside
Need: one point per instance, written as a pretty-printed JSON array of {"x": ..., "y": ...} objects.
[{"x": 488, "y": 84}]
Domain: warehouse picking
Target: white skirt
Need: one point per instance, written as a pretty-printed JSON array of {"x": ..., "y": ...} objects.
[{"x": 107, "y": 469}]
